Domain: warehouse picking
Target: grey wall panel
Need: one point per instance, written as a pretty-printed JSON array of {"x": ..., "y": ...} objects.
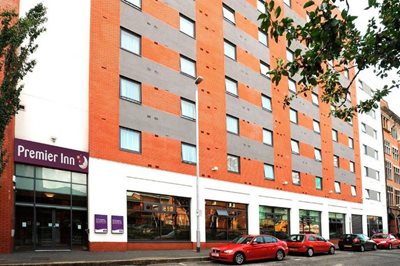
[
  {"x": 343, "y": 151},
  {"x": 247, "y": 76},
  {"x": 304, "y": 106},
  {"x": 254, "y": 150},
  {"x": 156, "y": 30},
  {"x": 342, "y": 126},
  {"x": 345, "y": 176},
  {"x": 147, "y": 71},
  {"x": 246, "y": 42},
  {"x": 245, "y": 9},
  {"x": 249, "y": 112},
  {"x": 186, "y": 8},
  {"x": 306, "y": 165},
  {"x": 305, "y": 135},
  {"x": 147, "y": 119}
]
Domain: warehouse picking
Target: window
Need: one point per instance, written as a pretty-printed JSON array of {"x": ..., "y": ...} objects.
[
  {"x": 367, "y": 193},
  {"x": 262, "y": 37},
  {"x": 188, "y": 153},
  {"x": 351, "y": 143},
  {"x": 261, "y": 6},
  {"x": 233, "y": 163},
  {"x": 274, "y": 221},
  {"x": 130, "y": 42},
  {"x": 317, "y": 154},
  {"x": 393, "y": 132},
  {"x": 376, "y": 154},
  {"x": 269, "y": 172},
  {"x": 363, "y": 128},
  {"x": 295, "y": 146},
  {"x": 266, "y": 102},
  {"x": 135, "y": 3},
  {"x": 288, "y": 2},
  {"x": 188, "y": 109},
  {"x": 395, "y": 153},
  {"x": 387, "y": 147},
  {"x": 267, "y": 137},
  {"x": 264, "y": 69},
  {"x": 289, "y": 55},
  {"x": 318, "y": 183},
  {"x": 229, "y": 13},
  {"x": 316, "y": 126},
  {"x": 397, "y": 195},
  {"x": 314, "y": 98},
  {"x": 337, "y": 187},
  {"x": 130, "y": 90},
  {"x": 230, "y": 49},
  {"x": 388, "y": 170},
  {"x": 186, "y": 25},
  {"x": 188, "y": 66},
  {"x": 335, "y": 161},
  {"x": 293, "y": 116},
  {"x": 385, "y": 122},
  {"x": 232, "y": 124},
  {"x": 336, "y": 225},
  {"x": 129, "y": 139},
  {"x": 334, "y": 135},
  {"x": 309, "y": 222},
  {"x": 296, "y": 178},
  {"x": 396, "y": 174},
  {"x": 378, "y": 196},
  {"x": 352, "y": 167},
  {"x": 292, "y": 85},
  {"x": 231, "y": 86},
  {"x": 353, "y": 191}
]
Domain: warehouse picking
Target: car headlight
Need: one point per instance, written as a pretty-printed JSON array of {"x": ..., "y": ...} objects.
[{"x": 228, "y": 251}]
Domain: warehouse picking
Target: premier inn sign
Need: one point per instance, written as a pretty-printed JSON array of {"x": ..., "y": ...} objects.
[{"x": 50, "y": 156}]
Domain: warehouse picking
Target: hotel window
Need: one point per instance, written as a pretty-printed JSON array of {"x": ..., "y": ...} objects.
[
  {"x": 393, "y": 132},
  {"x": 261, "y": 6},
  {"x": 229, "y": 13},
  {"x": 397, "y": 196},
  {"x": 189, "y": 153},
  {"x": 186, "y": 25},
  {"x": 295, "y": 146},
  {"x": 264, "y": 69},
  {"x": 230, "y": 49},
  {"x": 376, "y": 154},
  {"x": 266, "y": 102},
  {"x": 351, "y": 143},
  {"x": 318, "y": 183},
  {"x": 352, "y": 167},
  {"x": 363, "y": 127},
  {"x": 367, "y": 193},
  {"x": 232, "y": 124},
  {"x": 317, "y": 154},
  {"x": 274, "y": 221},
  {"x": 231, "y": 86},
  {"x": 129, "y": 139},
  {"x": 296, "y": 178},
  {"x": 267, "y": 137},
  {"x": 233, "y": 163},
  {"x": 292, "y": 85},
  {"x": 188, "y": 109},
  {"x": 374, "y": 225},
  {"x": 288, "y": 2},
  {"x": 335, "y": 161},
  {"x": 387, "y": 147},
  {"x": 293, "y": 116},
  {"x": 353, "y": 191},
  {"x": 289, "y": 55},
  {"x": 262, "y": 37},
  {"x": 395, "y": 153},
  {"x": 130, "y": 90},
  {"x": 338, "y": 189},
  {"x": 269, "y": 172},
  {"x": 315, "y": 99},
  {"x": 130, "y": 42},
  {"x": 188, "y": 66},
  {"x": 135, "y": 3},
  {"x": 396, "y": 174},
  {"x": 316, "y": 126},
  {"x": 334, "y": 135}
]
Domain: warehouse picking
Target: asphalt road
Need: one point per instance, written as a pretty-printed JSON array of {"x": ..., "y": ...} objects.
[{"x": 341, "y": 258}]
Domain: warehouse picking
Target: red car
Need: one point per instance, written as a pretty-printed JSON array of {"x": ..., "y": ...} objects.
[
  {"x": 251, "y": 247},
  {"x": 309, "y": 244},
  {"x": 388, "y": 241}
]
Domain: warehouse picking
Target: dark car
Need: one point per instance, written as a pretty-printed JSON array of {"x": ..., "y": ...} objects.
[
  {"x": 357, "y": 242},
  {"x": 309, "y": 244},
  {"x": 251, "y": 247}
]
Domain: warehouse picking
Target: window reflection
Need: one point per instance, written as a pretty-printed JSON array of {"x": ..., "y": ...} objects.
[
  {"x": 310, "y": 222},
  {"x": 274, "y": 221}
]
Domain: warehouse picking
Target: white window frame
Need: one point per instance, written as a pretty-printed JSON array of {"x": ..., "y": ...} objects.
[
  {"x": 353, "y": 191},
  {"x": 268, "y": 137},
  {"x": 293, "y": 116},
  {"x": 266, "y": 102},
  {"x": 262, "y": 37},
  {"x": 317, "y": 155},
  {"x": 184, "y": 23},
  {"x": 229, "y": 124},
  {"x": 336, "y": 161},
  {"x": 351, "y": 143},
  {"x": 352, "y": 167},
  {"x": 231, "y": 86},
  {"x": 264, "y": 69},
  {"x": 228, "y": 13},
  {"x": 191, "y": 149},
  {"x": 316, "y": 127},
  {"x": 296, "y": 176},
  {"x": 229, "y": 49},
  {"x": 130, "y": 90},
  {"x": 289, "y": 55},
  {"x": 136, "y": 135},
  {"x": 269, "y": 169},
  {"x": 315, "y": 99},
  {"x": 292, "y": 86},
  {"x": 338, "y": 188},
  {"x": 261, "y": 6},
  {"x": 184, "y": 114},
  {"x": 184, "y": 63},
  {"x": 134, "y": 3},
  {"x": 135, "y": 38},
  {"x": 334, "y": 135},
  {"x": 295, "y": 146}
]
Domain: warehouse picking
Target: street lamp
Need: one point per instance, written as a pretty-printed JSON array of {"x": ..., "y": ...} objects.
[{"x": 198, "y": 80}]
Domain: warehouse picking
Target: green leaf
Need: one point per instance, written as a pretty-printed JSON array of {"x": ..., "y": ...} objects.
[
  {"x": 308, "y": 4},
  {"x": 278, "y": 11}
]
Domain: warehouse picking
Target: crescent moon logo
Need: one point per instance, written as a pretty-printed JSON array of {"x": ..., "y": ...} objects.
[{"x": 84, "y": 164}]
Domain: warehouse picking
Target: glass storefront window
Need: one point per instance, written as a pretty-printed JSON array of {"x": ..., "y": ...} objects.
[
  {"x": 310, "y": 222},
  {"x": 336, "y": 225},
  {"x": 53, "y": 174},
  {"x": 274, "y": 221},
  {"x": 374, "y": 225},
  {"x": 225, "y": 220},
  {"x": 155, "y": 217}
]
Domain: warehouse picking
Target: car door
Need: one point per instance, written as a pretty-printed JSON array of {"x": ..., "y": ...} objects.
[
  {"x": 257, "y": 249},
  {"x": 271, "y": 246},
  {"x": 312, "y": 242},
  {"x": 323, "y": 245}
]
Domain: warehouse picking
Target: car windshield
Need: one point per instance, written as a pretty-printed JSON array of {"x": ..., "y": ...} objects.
[
  {"x": 296, "y": 238},
  {"x": 243, "y": 240},
  {"x": 382, "y": 236}
]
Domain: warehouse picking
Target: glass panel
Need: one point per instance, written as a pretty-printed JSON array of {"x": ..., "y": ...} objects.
[
  {"x": 261, "y": 6},
  {"x": 187, "y": 26},
  {"x": 232, "y": 124},
  {"x": 130, "y": 42},
  {"x": 130, "y": 139},
  {"x": 264, "y": 69},
  {"x": 296, "y": 178},
  {"x": 23, "y": 183},
  {"x": 79, "y": 178},
  {"x": 130, "y": 90},
  {"x": 316, "y": 126},
  {"x": 52, "y": 186},
  {"x": 230, "y": 50},
  {"x": 266, "y": 102},
  {"x": 267, "y": 137},
  {"x": 318, "y": 183},
  {"x": 137, "y": 3},
  {"x": 23, "y": 228},
  {"x": 233, "y": 164},
  {"x": 79, "y": 190},
  {"x": 188, "y": 67},
  {"x": 24, "y": 170},
  {"x": 310, "y": 222},
  {"x": 269, "y": 171},
  {"x": 189, "y": 153},
  {"x": 293, "y": 116},
  {"x": 79, "y": 225},
  {"x": 188, "y": 109},
  {"x": 292, "y": 86},
  {"x": 231, "y": 86},
  {"x": 53, "y": 174},
  {"x": 228, "y": 14},
  {"x": 262, "y": 37},
  {"x": 274, "y": 221}
]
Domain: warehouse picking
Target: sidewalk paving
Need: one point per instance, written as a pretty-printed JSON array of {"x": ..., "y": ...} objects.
[{"x": 81, "y": 258}]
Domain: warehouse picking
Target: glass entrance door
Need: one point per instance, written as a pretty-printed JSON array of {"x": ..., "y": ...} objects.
[{"x": 53, "y": 229}]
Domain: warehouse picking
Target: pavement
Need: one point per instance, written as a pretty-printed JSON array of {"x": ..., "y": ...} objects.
[{"x": 81, "y": 258}]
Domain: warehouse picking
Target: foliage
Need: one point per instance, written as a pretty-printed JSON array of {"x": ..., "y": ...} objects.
[
  {"x": 17, "y": 43},
  {"x": 333, "y": 46}
]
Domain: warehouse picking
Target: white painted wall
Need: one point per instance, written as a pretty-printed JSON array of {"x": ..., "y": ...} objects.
[
  {"x": 372, "y": 207},
  {"x": 56, "y": 92}
]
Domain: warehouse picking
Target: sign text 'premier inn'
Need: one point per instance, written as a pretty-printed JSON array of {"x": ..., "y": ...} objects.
[{"x": 50, "y": 156}]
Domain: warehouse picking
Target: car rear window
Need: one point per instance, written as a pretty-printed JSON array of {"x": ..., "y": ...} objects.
[{"x": 296, "y": 238}]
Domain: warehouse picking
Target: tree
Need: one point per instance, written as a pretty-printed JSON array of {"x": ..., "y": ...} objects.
[
  {"x": 333, "y": 45},
  {"x": 17, "y": 43}
]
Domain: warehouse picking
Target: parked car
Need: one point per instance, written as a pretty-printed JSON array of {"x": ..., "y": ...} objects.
[
  {"x": 388, "y": 241},
  {"x": 357, "y": 242},
  {"x": 250, "y": 247},
  {"x": 309, "y": 244}
]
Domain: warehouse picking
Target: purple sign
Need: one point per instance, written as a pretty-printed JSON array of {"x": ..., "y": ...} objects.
[
  {"x": 117, "y": 224},
  {"x": 100, "y": 223},
  {"x": 50, "y": 156}
]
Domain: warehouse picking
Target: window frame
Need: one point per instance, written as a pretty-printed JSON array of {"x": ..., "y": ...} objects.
[
  {"x": 132, "y": 4},
  {"x": 135, "y": 35},
  {"x": 321, "y": 183},
  {"x": 317, "y": 151},
  {"x": 353, "y": 190},
  {"x": 350, "y": 143},
  {"x": 338, "y": 188},
  {"x": 185, "y": 58},
  {"x": 262, "y": 66},
  {"x": 297, "y": 144},
  {"x": 315, "y": 122},
  {"x": 139, "y": 138},
  {"x": 263, "y": 96},
  {"x": 195, "y": 151},
  {"x": 194, "y": 105},
  {"x": 335, "y": 136},
  {"x": 231, "y": 45},
  {"x": 182, "y": 16},
  {"x": 299, "y": 178},
  {"x": 337, "y": 165},
  {"x": 125, "y": 97},
  {"x": 237, "y": 123},
  {"x": 235, "y": 82},
  {"x": 231, "y": 11},
  {"x": 293, "y": 111},
  {"x": 352, "y": 167},
  {"x": 262, "y": 37},
  {"x": 290, "y": 87},
  {"x": 315, "y": 99},
  {"x": 273, "y": 171},
  {"x": 238, "y": 160},
  {"x": 272, "y": 137}
]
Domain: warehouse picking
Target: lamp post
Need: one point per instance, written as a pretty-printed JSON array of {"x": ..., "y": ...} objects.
[{"x": 198, "y": 80}]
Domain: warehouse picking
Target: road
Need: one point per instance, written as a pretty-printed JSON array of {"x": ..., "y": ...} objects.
[{"x": 341, "y": 258}]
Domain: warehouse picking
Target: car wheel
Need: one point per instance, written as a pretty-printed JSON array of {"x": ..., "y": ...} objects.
[
  {"x": 310, "y": 252},
  {"x": 332, "y": 250},
  {"x": 362, "y": 248},
  {"x": 390, "y": 246},
  {"x": 280, "y": 255},
  {"x": 239, "y": 258},
  {"x": 375, "y": 247}
]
